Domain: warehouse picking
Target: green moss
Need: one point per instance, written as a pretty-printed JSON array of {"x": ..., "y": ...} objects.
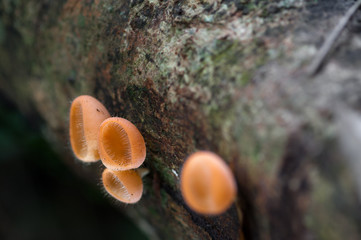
[
  {"x": 136, "y": 94},
  {"x": 164, "y": 196},
  {"x": 245, "y": 78},
  {"x": 81, "y": 21},
  {"x": 164, "y": 171}
]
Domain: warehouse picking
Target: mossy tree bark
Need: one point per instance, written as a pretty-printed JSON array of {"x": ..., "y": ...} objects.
[{"x": 227, "y": 76}]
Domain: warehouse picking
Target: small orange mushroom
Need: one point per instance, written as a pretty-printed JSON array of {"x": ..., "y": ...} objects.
[
  {"x": 86, "y": 115},
  {"x": 207, "y": 183},
  {"x": 121, "y": 146},
  {"x": 125, "y": 186}
]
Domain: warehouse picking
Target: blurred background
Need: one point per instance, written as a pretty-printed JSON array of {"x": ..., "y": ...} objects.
[{"x": 42, "y": 198}]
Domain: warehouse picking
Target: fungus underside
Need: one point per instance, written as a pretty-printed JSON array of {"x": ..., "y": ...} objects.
[
  {"x": 115, "y": 187},
  {"x": 77, "y": 130},
  {"x": 114, "y": 134}
]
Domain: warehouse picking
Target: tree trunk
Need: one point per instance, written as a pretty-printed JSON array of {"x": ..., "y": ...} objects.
[{"x": 229, "y": 76}]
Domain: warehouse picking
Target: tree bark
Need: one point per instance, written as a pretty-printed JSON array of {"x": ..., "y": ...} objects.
[{"x": 229, "y": 76}]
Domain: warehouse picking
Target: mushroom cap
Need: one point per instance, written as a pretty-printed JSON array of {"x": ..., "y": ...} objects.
[
  {"x": 207, "y": 183},
  {"x": 125, "y": 186},
  {"x": 121, "y": 146},
  {"x": 86, "y": 115}
]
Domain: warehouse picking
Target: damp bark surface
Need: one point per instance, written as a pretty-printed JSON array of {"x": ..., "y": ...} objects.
[{"x": 220, "y": 75}]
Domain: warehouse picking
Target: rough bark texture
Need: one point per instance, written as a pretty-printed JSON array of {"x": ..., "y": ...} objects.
[{"x": 221, "y": 75}]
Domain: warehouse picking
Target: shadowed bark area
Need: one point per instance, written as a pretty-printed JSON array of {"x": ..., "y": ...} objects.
[{"x": 227, "y": 76}]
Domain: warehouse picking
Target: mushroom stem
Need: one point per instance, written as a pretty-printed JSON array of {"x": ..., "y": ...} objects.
[{"x": 142, "y": 172}]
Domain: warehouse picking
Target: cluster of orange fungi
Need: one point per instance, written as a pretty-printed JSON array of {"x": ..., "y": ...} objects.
[
  {"x": 117, "y": 142},
  {"x": 207, "y": 183}
]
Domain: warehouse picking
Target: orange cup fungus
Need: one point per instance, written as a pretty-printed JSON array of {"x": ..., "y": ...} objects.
[
  {"x": 125, "y": 186},
  {"x": 207, "y": 183},
  {"x": 86, "y": 115},
  {"x": 121, "y": 146}
]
